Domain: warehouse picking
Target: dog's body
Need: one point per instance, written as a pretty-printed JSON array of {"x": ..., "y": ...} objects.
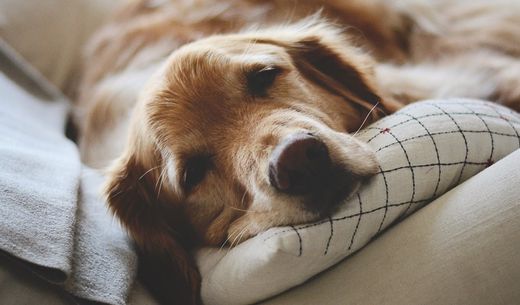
[{"x": 228, "y": 124}]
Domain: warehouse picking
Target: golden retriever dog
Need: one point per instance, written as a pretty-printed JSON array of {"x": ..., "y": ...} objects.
[{"x": 220, "y": 119}]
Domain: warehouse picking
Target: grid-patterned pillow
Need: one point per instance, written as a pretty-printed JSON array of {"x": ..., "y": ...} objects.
[{"x": 424, "y": 150}]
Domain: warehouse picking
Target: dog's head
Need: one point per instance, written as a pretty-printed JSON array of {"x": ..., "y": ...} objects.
[{"x": 239, "y": 133}]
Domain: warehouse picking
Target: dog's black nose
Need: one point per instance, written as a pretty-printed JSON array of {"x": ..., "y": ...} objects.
[{"x": 298, "y": 164}]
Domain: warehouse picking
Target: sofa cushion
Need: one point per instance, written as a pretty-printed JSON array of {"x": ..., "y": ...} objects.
[{"x": 424, "y": 150}]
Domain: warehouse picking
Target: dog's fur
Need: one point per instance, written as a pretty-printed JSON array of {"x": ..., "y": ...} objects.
[{"x": 197, "y": 108}]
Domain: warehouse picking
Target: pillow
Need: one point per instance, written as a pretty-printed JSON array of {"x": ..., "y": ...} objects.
[
  {"x": 51, "y": 34},
  {"x": 424, "y": 150}
]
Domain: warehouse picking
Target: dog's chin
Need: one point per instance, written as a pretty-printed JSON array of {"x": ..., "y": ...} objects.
[
  {"x": 333, "y": 202},
  {"x": 341, "y": 186},
  {"x": 311, "y": 209},
  {"x": 337, "y": 188}
]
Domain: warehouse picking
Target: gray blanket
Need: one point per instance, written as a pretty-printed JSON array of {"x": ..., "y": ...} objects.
[{"x": 51, "y": 215}]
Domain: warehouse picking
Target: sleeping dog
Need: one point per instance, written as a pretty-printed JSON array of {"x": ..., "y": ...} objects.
[{"x": 221, "y": 119}]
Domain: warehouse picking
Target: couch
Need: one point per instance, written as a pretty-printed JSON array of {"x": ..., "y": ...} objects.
[{"x": 461, "y": 248}]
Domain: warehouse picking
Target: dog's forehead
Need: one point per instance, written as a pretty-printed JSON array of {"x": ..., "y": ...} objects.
[
  {"x": 203, "y": 91},
  {"x": 211, "y": 73},
  {"x": 211, "y": 69},
  {"x": 224, "y": 51}
]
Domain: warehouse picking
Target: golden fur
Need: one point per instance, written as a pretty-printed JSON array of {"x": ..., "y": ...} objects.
[{"x": 196, "y": 57}]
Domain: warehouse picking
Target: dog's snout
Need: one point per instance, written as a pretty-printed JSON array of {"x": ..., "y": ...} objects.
[{"x": 298, "y": 163}]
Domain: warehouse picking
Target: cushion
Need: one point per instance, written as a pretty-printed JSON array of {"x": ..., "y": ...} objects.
[
  {"x": 51, "y": 34},
  {"x": 460, "y": 249},
  {"x": 424, "y": 150}
]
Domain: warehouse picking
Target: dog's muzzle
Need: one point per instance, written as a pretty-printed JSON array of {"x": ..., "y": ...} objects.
[{"x": 300, "y": 165}]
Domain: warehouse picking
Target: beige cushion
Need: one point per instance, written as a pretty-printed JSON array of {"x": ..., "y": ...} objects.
[
  {"x": 50, "y": 34},
  {"x": 460, "y": 249}
]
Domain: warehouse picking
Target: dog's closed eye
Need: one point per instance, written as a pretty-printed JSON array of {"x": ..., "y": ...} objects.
[
  {"x": 259, "y": 81},
  {"x": 195, "y": 171}
]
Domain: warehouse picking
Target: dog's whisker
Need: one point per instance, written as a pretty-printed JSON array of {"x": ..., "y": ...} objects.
[
  {"x": 234, "y": 237},
  {"x": 238, "y": 209},
  {"x": 243, "y": 198},
  {"x": 366, "y": 118},
  {"x": 113, "y": 195},
  {"x": 224, "y": 242},
  {"x": 148, "y": 171},
  {"x": 241, "y": 204},
  {"x": 241, "y": 234},
  {"x": 160, "y": 181},
  {"x": 234, "y": 241}
]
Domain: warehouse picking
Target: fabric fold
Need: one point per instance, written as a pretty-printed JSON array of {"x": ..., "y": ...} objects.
[
  {"x": 104, "y": 262},
  {"x": 39, "y": 181},
  {"x": 52, "y": 216}
]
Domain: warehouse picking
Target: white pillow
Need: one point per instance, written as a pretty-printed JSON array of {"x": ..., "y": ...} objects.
[
  {"x": 424, "y": 150},
  {"x": 51, "y": 34}
]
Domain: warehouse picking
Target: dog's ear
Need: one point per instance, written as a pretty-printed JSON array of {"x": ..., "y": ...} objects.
[
  {"x": 324, "y": 55},
  {"x": 157, "y": 227}
]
